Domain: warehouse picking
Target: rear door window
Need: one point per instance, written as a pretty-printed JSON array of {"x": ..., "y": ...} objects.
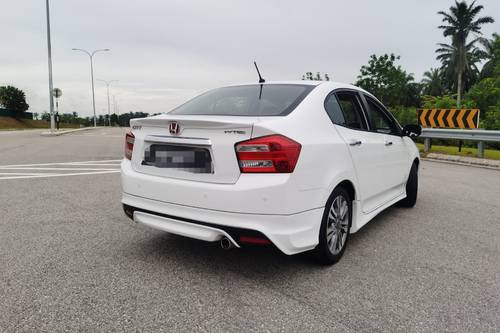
[{"x": 333, "y": 110}]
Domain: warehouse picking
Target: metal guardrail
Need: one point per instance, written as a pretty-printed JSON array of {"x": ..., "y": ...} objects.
[{"x": 460, "y": 134}]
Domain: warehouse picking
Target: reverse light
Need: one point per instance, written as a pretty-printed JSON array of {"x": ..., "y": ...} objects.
[
  {"x": 129, "y": 145},
  {"x": 268, "y": 154}
]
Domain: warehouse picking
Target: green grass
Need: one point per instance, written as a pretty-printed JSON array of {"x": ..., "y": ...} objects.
[
  {"x": 466, "y": 151},
  {"x": 9, "y": 123}
]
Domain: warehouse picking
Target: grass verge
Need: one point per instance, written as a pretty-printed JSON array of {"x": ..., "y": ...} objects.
[
  {"x": 466, "y": 151},
  {"x": 9, "y": 123}
]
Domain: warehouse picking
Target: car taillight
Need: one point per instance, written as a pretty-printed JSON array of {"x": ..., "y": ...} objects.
[
  {"x": 268, "y": 154},
  {"x": 129, "y": 145}
]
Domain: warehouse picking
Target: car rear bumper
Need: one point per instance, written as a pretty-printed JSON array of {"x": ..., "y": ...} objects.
[
  {"x": 264, "y": 194},
  {"x": 291, "y": 234}
]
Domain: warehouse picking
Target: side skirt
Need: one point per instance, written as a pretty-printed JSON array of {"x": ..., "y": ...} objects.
[{"x": 359, "y": 219}]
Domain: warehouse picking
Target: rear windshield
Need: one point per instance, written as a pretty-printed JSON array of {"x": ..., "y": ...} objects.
[{"x": 249, "y": 100}]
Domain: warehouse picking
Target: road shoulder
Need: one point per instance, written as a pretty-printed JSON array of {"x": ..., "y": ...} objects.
[
  {"x": 463, "y": 160},
  {"x": 62, "y": 132}
]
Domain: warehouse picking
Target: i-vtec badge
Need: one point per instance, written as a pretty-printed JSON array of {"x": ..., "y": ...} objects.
[
  {"x": 174, "y": 127},
  {"x": 234, "y": 132}
]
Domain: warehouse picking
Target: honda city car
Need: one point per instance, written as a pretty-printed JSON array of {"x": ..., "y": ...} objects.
[{"x": 298, "y": 165}]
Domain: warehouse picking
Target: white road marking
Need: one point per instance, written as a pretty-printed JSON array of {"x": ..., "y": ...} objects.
[
  {"x": 58, "y": 169},
  {"x": 20, "y": 174},
  {"x": 88, "y": 164},
  {"x": 60, "y": 175},
  {"x": 58, "y": 163},
  {"x": 94, "y": 161}
]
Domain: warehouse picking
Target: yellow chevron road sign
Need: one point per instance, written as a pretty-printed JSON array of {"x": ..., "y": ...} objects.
[{"x": 448, "y": 118}]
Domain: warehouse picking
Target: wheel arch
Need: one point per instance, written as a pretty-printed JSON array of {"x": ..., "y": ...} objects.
[
  {"x": 349, "y": 187},
  {"x": 346, "y": 180},
  {"x": 416, "y": 161}
]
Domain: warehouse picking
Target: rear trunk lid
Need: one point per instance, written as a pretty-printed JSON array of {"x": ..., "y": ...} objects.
[{"x": 196, "y": 148}]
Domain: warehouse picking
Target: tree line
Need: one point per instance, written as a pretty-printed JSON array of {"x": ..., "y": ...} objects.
[{"x": 122, "y": 119}]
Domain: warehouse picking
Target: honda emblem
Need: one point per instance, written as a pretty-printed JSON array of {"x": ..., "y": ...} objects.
[{"x": 174, "y": 127}]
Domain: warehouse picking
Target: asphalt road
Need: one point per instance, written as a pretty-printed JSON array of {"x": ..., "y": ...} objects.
[{"x": 71, "y": 261}]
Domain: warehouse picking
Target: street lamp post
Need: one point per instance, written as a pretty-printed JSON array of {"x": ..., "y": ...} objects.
[
  {"x": 49, "y": 52},
  {"x": 109, "y": 106},
  {"x": 91, "y": 56}
]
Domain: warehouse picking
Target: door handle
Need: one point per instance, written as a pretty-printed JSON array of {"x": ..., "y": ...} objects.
[
  {"x": 355, "y": 143},
  {"x": 388, "y": 143}
]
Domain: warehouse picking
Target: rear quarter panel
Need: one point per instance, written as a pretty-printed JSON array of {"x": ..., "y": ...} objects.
[{"x": 324, "y": 159}]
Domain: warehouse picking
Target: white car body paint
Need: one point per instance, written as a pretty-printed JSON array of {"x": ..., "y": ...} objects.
[{"x": 285, "y": 207}]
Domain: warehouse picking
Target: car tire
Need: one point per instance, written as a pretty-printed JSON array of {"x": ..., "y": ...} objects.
[
  {"x": 331, "y": 248},
  {"x": 411, "y": 188}
]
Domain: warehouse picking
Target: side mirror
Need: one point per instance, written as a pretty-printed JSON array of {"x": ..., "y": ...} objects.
[{"x": 412, "y": 130}]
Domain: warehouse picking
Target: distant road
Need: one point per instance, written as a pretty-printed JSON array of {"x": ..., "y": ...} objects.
[{"x": 71, "y": 261}]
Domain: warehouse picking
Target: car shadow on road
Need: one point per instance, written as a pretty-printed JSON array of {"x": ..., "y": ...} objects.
[
  {"x": 259, "y": 263},
  {"x": 380, "y": 223},
  {"x": 256, "y": 262}
]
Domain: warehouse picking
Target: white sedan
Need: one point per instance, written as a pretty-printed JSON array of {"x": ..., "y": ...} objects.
[{"x": 297, "y": 165}]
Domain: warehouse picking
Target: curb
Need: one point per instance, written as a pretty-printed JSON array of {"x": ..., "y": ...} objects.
[
  {"x": 446, "y": 161},
  {"x": 66, "y": 131}
]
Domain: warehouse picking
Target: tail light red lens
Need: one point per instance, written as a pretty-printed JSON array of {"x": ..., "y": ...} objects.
[
  {"x": 129, "y": 145},
  {"x": 268, "y": 154}
]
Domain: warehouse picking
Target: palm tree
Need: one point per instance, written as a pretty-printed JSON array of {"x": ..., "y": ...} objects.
[
  {"x": 448, "y": 55},
  {"x": 491, "y": 53},
  {"x": 458, "y": 24},
  {"x": 433, "y": 82}
]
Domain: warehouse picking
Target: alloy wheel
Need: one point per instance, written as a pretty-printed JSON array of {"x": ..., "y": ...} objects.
[{"x": 337, "y": 225}]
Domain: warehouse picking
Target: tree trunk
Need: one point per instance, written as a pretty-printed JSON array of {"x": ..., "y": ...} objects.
[{"x": 459, "y": 89}]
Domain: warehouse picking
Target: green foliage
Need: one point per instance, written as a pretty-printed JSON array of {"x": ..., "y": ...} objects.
[
  {"x": 461, "y": 20},
  {"x": 445, "y": 102},
  {"x": 102, "y": 120},
  {"x": 459, "y": 58},
  {"x": 114, "y": 119},
  {"x": 65, "y": 118},
  {"x": 432, "y": 83},
  {"x": 492, "y": 119},
  {"x": 486, "y": 93},
  {"x": 13, "y": 99},
  {"x": 124, "y": 118},
  {"x": 405, "y": 115},
  {"x": 450, "y": 65},
  {"x": 45, "y": 116},
  {"x": 390, "y": 83},
  {"x": 318, "y": 77},
  {"x": 491, "y": 54}
]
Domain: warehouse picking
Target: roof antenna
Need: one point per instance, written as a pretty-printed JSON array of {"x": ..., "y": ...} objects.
[{"x": 261, "y": 80}]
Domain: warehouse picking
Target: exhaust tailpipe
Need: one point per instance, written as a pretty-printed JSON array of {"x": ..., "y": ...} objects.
[{"x": 226, "y": 244}]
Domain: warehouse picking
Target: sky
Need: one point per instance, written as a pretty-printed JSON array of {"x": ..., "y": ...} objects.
[{"x": 164, "y": 52}]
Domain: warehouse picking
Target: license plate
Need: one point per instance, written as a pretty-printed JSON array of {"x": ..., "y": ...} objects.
[{"x": 191, "y": 159}]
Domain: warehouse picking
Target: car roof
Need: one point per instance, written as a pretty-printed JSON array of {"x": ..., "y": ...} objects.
[{"x": 328, "y": 84}]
